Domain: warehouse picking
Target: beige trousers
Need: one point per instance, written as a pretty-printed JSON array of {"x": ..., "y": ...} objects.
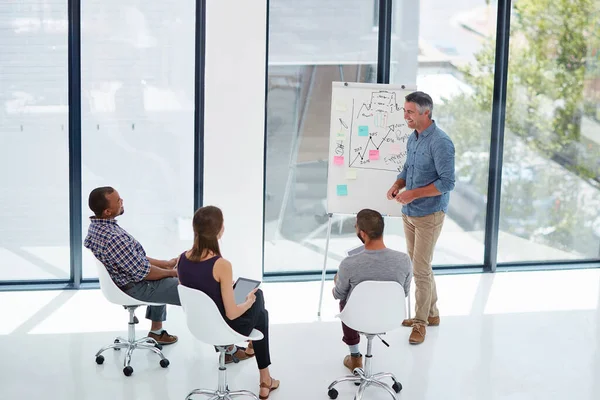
[{"x": 421, "y": 236}]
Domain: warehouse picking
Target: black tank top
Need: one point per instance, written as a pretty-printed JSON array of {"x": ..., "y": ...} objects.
[{"x": 199, "y": 275}]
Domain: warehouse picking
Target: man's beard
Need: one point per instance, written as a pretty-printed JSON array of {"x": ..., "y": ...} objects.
[{"x": 360, "y": 237}]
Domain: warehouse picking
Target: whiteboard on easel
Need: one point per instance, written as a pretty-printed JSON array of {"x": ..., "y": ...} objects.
[{"x": 367, "y": 146}]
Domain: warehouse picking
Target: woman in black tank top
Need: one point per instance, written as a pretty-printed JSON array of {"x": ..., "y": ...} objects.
[{"x": 204, "y": 269}]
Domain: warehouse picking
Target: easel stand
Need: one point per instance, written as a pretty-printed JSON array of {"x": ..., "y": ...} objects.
[
  {"x": 329, "y": 218},
  {"x": 323, "y": 273}
]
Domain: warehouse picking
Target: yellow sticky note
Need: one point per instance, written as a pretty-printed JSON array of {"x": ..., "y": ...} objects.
[{"x": 351, "y": 174}]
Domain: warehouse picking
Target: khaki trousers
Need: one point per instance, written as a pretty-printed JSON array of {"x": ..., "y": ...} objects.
[{"x": 421, "y": 236}]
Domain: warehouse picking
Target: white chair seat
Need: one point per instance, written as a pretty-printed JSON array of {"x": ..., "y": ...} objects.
[
  {"x": 205, "y": 321},
  {"x": 375, "y": 307},
  {"x": 113, "y": 293}
]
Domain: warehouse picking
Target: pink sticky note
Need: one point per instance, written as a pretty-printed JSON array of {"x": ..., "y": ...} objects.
[
  {"x": 338, "y": 160},
  {"x": 395, "y": 149},
  {"x": 373, "y": 154}
]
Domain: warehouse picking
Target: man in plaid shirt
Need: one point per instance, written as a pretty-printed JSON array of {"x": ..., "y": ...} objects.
[{"x": 141, "y": 277}]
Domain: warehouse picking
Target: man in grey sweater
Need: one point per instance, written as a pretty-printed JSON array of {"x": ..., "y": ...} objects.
[{"x": 375, "y": 263}]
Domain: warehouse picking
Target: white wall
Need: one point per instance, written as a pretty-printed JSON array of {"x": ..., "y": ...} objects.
[{"x": 234, "y": 115}]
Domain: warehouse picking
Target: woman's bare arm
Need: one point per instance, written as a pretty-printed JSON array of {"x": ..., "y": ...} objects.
[{"x": 223, "y": 273}]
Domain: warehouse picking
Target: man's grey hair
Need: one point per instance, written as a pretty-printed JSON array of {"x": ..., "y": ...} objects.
[{"x": 423, "y": 102}]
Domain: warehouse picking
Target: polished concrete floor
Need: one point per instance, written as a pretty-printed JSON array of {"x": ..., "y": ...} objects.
[{"x": 522, "y": 335}]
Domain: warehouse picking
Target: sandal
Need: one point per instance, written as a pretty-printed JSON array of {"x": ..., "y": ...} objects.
[{"x": 271, "y": 387}]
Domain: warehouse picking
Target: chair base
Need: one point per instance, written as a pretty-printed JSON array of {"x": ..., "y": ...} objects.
[
  {"x": 364, "y": 381},
  {"x": 364, "y": 378},
  {"x": 217, "y": 395},
  {"x": 131, "y": 344},
  {"x": 222, "y": 393}
]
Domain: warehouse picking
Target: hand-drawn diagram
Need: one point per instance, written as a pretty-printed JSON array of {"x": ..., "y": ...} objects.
[{"x": 378, "y": 134}]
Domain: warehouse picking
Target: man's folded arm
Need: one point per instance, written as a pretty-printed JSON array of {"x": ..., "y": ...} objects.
[{"x": 157, "y": 273}]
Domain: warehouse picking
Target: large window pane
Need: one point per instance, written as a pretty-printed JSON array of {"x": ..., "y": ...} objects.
[
  {"x": 311, "y": 44},
  {"x": 34, "y": 162},
  {"x": 444, "y": 61},
  {"x": 551, "y": 175},
  {"x": 138, "y": 117}
]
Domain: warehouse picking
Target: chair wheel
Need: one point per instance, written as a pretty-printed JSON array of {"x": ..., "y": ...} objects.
[
  {"x": 332, "y": 393},
  {"x": 117, "y": 341},
  {"x": 164, "y": 363},
  {"x": 99, "y": 360},
  {"x": 128, "y": 371},
  {"x": 158, "y": 346},
  {"x": 397, "y": 386}
]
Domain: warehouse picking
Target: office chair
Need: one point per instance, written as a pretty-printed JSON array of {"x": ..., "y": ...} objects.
[
  {"x": 373, "y": 309},
  {"x": 206, "y": 323},
  {"x": 116, "y": 296}
]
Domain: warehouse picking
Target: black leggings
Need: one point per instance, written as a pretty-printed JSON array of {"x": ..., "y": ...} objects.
[{"x": 257, "y": 317}]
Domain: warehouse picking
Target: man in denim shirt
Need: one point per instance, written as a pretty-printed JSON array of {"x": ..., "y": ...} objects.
[{"x": 428, "y": 176}]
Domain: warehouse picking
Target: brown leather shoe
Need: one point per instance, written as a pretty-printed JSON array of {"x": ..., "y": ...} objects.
[
  {"x": 351, "y": 362},
  {"x": 239, "y": 355},
  {"x": 164, "y": 338},
  {"x": 431, "y": 321},
  {"x": 417, "y": 335}
]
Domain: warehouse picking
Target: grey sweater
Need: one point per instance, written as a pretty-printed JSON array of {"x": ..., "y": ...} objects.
[{"x": 372, "y": 265}]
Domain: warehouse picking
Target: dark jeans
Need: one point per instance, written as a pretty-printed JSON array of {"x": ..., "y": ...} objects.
[
  {"x": 351, "y": 337},
  {"x": 160, "y": 291},
  {"x": 257, "y": 317}
]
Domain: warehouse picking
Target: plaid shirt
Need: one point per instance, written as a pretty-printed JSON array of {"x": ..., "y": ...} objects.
[{"x": 122, "y": 255}]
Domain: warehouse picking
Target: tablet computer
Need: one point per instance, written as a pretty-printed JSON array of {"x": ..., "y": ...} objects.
[
  {"x": 356, "y": 250},
  {"x": 242, "y": 287}
]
